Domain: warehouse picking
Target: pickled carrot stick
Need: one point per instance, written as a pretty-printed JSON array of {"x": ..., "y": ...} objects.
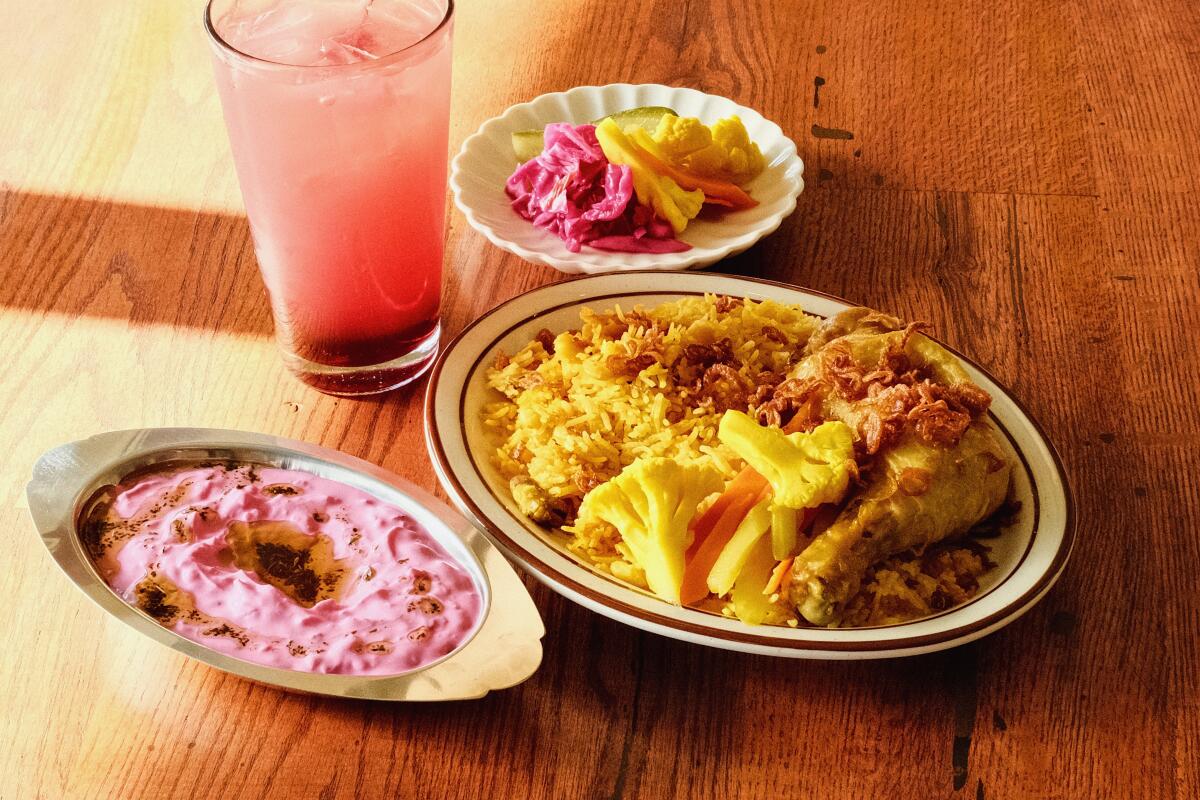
[{"x": 749, "y": 491}]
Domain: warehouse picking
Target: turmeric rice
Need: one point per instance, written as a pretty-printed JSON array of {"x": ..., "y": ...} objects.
[{"x": 581, "y": 405}]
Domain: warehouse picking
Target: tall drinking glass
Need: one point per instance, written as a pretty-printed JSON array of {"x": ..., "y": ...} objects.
[{"x": 338, "y": 115}]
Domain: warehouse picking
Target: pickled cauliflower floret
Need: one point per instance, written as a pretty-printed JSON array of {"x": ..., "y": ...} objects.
[
  {"x": 723, "y": 151},
  {"x": 650, "y": 503},
  {"x": 804, "y": 469},
  {"x": 679, "y": 137}
]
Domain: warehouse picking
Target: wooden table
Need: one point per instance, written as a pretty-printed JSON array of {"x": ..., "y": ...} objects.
[{"x": 1023, "y": 175}]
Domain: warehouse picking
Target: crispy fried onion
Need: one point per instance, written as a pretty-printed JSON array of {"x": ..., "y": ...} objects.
[
  {"x": 643, "y": 351},
  {"x": 935, "y": 413},
  {"x": 724, "y": 303},
  {"x": 723, "y": 387},
  {"x": 614, "y": 326},
  {"x": 773, "y": 334},
  {"x": 795, "y": 401},
  {"x": 705, "y": 355},
  {"x": 890, "y": 398},
  {"x": 764, "y": 387},
  {"x": 630, "y": 366},
  {"x": 546, "y": 339},
  {"x": 847, "y": 376}
]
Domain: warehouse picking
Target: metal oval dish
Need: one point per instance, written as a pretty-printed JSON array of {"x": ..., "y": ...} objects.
[
  {"x": 504, "y": 649},
  {"x": 1030, "y": 554}
]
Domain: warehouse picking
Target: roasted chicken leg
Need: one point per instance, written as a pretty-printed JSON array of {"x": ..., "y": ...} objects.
[
  {"x": 932, "y": 466},
  {"x": 917, "y": 494}
]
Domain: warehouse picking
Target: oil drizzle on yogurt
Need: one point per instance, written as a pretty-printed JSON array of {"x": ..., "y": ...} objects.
[
  {"x": 281, "y": 567},
  {"x": 299, "y": 564}
]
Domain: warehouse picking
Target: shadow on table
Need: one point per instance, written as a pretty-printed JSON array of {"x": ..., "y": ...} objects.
[
  {"x": 147, "y": 264},
  {"x": 848, "y": 236},
  {"x": 612, "y": 709}
]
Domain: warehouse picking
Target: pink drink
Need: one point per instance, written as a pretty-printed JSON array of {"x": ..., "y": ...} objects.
[{"x": 338, "y": 115}]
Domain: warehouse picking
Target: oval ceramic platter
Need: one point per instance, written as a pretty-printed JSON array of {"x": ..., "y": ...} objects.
[
  {"x": 1030, "y": 553},
  {"x": 504, "y": 649},
  {"x": 480, "y": 170}
]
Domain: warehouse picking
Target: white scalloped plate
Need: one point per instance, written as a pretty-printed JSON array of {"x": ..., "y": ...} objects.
[
  {"x": 478, "y": 174},
  {"x": 1029, "y": 555}
]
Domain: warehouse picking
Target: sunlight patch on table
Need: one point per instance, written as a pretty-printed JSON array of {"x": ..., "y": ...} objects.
[
  {"x": 126, "y": 109},
  {"x": 72, "y": 377}
]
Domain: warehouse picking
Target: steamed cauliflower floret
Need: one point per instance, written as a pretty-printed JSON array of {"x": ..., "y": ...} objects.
[
  {"x": 804, "y": 469},
  {"x": 650, "y": 503}
]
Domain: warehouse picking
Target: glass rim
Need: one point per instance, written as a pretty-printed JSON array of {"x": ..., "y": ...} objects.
[{"x": 214, "y": 36}]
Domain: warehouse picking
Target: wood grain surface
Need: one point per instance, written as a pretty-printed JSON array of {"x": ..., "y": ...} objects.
[{"x": 1023, "y": 175}]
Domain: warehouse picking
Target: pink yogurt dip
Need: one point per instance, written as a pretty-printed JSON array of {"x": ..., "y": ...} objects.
[{"x": 401, "y": 600}]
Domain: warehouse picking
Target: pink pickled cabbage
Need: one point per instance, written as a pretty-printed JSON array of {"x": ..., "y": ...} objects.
[{"x": 573, "y": 191}]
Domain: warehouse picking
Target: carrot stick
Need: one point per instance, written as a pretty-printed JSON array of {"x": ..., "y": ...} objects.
[
  {"x": 715, "y": 191},
  {"x": 745, "y": 482},
  {"x": 777, "y": 574},
  {"x": 795, "y": 424},
  {"x": 713, "y": 529},
  {"x": 695, "y": 573}
]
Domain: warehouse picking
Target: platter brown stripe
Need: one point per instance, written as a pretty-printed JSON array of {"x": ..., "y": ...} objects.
[
  {"x": 1011, "y": 609},
  {"x": 795, "y": 644},
  {"x": 1015, "y": 608}
]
